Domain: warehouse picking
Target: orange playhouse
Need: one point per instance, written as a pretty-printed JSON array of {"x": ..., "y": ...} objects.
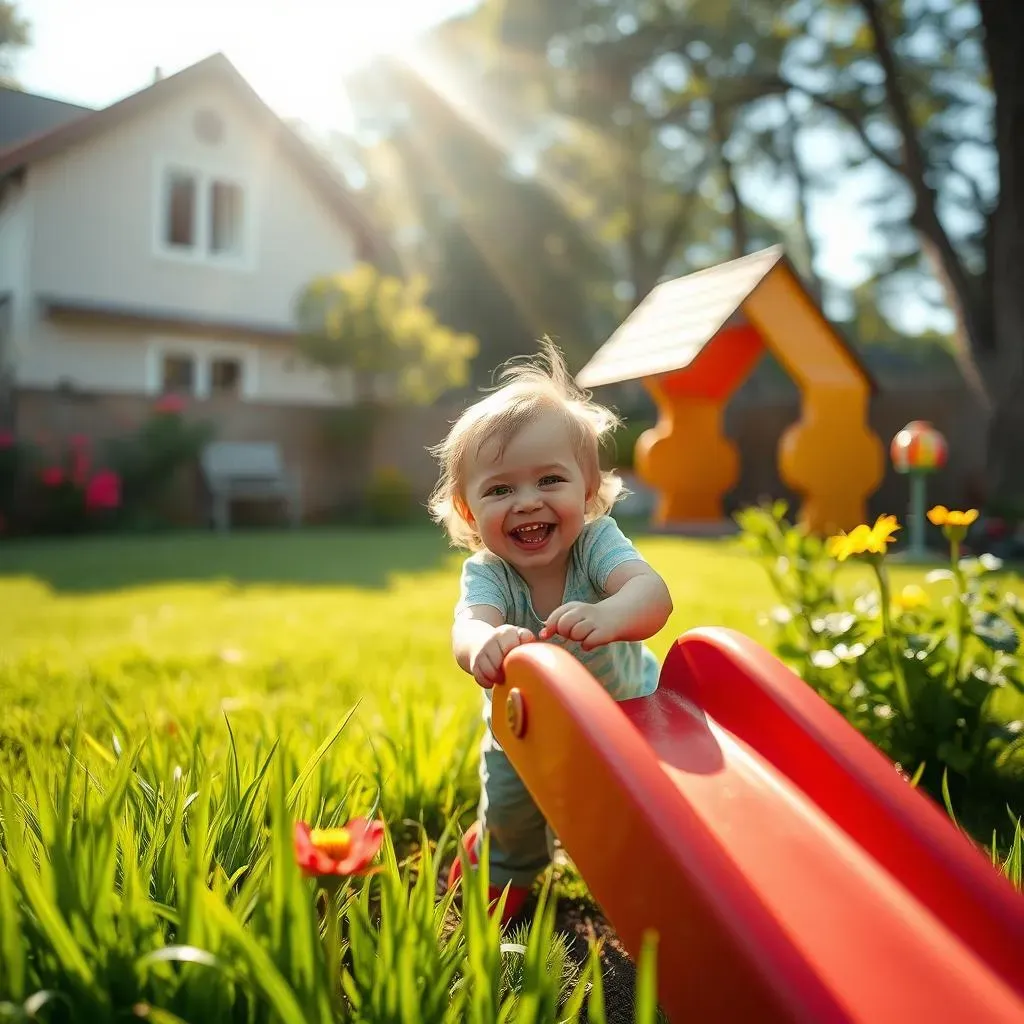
[
  {"x": 693, "y": 341},
  {"x": 790, "y": 873}
]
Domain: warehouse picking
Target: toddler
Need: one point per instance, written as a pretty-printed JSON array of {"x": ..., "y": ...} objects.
[{"x": 521, "y": 487}]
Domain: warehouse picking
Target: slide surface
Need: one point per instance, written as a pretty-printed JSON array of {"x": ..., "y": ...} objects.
[{"x": 791, "y": 874}]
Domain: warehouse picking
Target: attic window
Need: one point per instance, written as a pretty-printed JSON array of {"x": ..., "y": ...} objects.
[
  {"x": 203, "y": 216},
  {"x": 181, "y": 210},
  {"x": 225, "y": 217}
]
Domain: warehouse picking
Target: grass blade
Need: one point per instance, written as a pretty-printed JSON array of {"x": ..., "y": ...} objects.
[{"x": 310, "y": 765}]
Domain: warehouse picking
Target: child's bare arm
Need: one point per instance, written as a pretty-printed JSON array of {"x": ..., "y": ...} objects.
[
  {"x": 637, "y": 606},
  {"x": 639, "y": 599},
  {"x": 480, "y": 640}
]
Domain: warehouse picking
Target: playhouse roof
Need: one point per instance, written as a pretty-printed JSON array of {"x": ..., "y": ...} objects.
[{"x": 678, "y": 319}]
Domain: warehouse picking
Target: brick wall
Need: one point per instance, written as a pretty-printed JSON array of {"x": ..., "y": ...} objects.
[
  {"x": 757, "y": 427},
  {"x": 334, "y": 475}
]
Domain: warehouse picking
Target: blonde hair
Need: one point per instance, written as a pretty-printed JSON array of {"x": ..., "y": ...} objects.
[{"x": 528, "y": 389}]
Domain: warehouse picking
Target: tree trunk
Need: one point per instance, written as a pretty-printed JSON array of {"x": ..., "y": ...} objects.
[
  {"x": 972, "y": 321},
  {"x": 803, "y": 214},
  {"x": 737, "y": 216},
  {"x": 1001, "y": 357}
]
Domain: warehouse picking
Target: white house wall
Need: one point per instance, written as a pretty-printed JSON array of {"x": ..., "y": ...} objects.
[
  {"x": 97, "y": 204},
  {"x": 86, "y": 360},
  {"x": 15, "y": 243},
  {"x": 97, "y": 360}
]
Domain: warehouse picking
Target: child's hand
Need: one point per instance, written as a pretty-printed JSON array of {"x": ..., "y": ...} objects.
[
  {"x": 486, "y": 664},
  {"x": 591, "y": 625}
]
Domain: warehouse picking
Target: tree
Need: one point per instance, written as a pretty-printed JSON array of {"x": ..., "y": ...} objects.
[
  {"x": 931, "y": 91},
  {"x": 376, "y": 328},
  {"x": 14, "y": 34},
  {"x": 507, "y": 262},
  {"x": 654, "y": 108}
]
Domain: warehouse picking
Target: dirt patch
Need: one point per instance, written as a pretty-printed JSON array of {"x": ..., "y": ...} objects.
[{"x": 581, "y": 923}]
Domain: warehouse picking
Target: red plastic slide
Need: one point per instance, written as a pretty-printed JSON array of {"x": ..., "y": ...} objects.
[{"x": 791, "y": 874}]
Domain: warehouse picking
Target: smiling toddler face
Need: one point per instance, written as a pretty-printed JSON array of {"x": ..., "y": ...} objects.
[{"x": 528, "y": 497}]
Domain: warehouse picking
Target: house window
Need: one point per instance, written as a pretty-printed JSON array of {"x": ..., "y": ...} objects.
[
  {"x": 225, "y": 376},
  {"x": 203, "y": 216},
  {"x": 199, "y": 370},
  {"x": 180, "y": 226},
  {"x": 178, "y": 374},
  {"x": 225, "y": 218}
]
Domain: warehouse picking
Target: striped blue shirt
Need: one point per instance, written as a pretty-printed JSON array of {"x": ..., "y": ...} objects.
[{"x": 625, "y": 669}]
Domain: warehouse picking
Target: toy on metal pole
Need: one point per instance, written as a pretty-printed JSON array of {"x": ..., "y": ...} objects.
[{"x": 917, "y": 450}]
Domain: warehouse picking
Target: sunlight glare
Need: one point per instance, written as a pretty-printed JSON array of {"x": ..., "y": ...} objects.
[{"x": 297, "y": 54}]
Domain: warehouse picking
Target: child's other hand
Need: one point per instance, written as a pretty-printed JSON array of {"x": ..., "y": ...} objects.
[
  {"x": 486, "y": 663},
  {"x": 590, "y": 625}
]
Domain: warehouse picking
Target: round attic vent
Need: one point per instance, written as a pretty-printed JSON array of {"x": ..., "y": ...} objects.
[{"x": 209, "y": 126}]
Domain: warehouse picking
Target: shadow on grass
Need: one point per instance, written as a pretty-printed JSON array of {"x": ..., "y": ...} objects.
[{"x": 330, "y": 557}]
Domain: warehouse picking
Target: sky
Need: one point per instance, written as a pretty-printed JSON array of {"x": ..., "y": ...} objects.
[{"x": 294, "y": 53}]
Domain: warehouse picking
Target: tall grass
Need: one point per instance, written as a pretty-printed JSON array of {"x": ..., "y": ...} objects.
[
  {"x": 137, "y": 884},
  {"x": 167, "y": 708}
]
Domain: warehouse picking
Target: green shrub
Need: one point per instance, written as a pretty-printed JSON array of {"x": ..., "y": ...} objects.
[
  {"x": 56, "y": 488},
  {"x": 389, "y": 499},
  {"x": 149, "y": 459},
  {"x": 934, "y": 680}
]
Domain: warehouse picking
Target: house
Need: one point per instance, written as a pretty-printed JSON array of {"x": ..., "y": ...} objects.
[{"x": 158, "y": 245}]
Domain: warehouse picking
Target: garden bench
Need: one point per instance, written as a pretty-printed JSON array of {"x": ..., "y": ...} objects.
[{"x": 248, "y": 471}]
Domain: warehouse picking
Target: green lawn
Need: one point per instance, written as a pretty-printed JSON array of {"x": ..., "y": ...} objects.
[
  {"x": 286, "y": 628},
  {"x": 293, "y": 626},
  {"x": 183, "y": 662}
]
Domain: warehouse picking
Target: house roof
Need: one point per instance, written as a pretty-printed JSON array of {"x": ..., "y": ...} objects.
[
  {"x": 23, "y": 114},
  {"x": 679, "y": 318},
  {"x": 56, "y": 135}
]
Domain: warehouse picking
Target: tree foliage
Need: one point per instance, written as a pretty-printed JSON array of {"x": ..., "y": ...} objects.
[
  {"x": 14, "y": 35},
  {"x": 666, "y": 135},
  {"x": 378, "y": 328}
]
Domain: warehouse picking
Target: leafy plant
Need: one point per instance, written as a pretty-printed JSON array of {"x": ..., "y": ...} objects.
[
  {"x": 389, "y": 499},
  {"x": 55, "y": 488},
  {"x": 379, "y": 329},
  {"x": 143, "y": 879},
  {"x": 150, "y": 458},
  {"x": 933, "y": 680}
]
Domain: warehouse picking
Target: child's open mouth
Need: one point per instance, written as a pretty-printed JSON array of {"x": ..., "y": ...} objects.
[{"x": 532, "y": 535}]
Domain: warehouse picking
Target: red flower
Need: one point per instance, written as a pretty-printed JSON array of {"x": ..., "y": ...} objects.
[
  {"x": 6, "y": 439},
  {"x": 170, "y": 404},
  {"x": 103, "y": 490},
  {"x": 338, "y": 851},
  {"x": 52, "y": 476}
]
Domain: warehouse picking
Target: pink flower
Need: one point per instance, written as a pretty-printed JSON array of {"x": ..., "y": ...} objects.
[
  {"x": 78, "y": 441},
  {"x": 103, "y": 490},
  {"x": 52, "y": 476},
  {"x": 170, "y": 404},
  {"x": 6, "y": 439}
]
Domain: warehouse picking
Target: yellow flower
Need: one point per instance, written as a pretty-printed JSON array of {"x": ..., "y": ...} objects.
[
  {"x": 335, "y": 842},
  {"x": 863, "y": 540},
  {"x": 912, "y": 596},
  {"x": 942, "y": 516}
]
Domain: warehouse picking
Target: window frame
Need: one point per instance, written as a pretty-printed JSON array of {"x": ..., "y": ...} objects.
[
  {"x": 205, "y": 177},
  {"x": 203, "y": 355}
]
